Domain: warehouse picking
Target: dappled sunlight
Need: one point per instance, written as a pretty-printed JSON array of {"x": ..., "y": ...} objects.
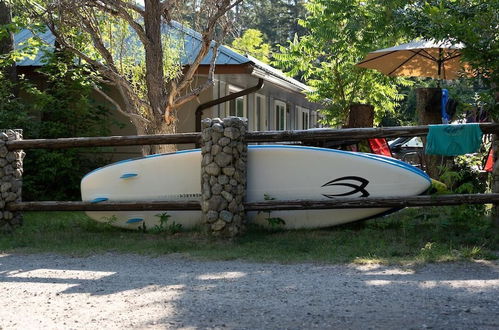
[
  {"x": 428, "y": 284},
  {"x": 221, "y": 276},
  {"x": 382, "y": 270},
  {"x": 142, "y": 292},
  {"x": 61, "y": 274},
  {"x": 468, "y": 285},
  {"x": 378, "y": 282}
]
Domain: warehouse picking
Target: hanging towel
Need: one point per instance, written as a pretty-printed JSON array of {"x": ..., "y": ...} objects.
[{"x": 453, "y": 140}]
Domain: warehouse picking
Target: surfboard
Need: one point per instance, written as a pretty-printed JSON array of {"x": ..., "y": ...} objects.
[{"x": 279, "y": 172}]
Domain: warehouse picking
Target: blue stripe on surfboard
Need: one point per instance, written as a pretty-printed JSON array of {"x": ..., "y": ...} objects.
[
  {"x": 390, "y": 161},
  {"x": 135, "y": 220},
  {"x": 128, "y": 175},
  {"x": 99, "y": 199}
]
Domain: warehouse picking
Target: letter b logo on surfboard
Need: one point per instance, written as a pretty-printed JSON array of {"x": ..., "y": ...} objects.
[{"x": 352, "y": 184}]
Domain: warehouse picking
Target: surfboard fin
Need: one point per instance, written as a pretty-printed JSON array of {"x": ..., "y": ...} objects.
[
  {"x": 99, "y": 199},
  {"x": 128, "y": 175},
  {"x": 134, "y": 220}
]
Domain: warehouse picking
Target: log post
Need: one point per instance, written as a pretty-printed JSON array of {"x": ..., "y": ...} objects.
[
  {"x": 223, "y": 175},
  {"x": 428, "y": 109},
  {"x": 11, "y": 171},
  {"x": 495, "y": 179},
  {"x": 361, "y": 115}
]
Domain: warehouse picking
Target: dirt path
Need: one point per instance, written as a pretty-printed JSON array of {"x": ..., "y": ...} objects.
[{"x": 128, "y": 291}]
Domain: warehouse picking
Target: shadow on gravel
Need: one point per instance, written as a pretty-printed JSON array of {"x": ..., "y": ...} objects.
[{"x": 249, "y": 295}]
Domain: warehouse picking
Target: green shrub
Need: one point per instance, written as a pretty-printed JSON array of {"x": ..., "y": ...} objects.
[{"x": 62, "y": 108}]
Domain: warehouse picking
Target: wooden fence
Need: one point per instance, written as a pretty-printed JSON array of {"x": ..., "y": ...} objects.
[{"x": 251, "y": 137}]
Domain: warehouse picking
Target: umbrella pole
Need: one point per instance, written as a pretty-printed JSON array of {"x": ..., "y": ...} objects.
[{"x": 440, "y": 61}]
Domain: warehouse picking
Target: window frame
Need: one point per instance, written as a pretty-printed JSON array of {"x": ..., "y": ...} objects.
[
  {"x": 303, "y": 113},
  {"x": 260, "y": 119},
  {"x": 278, "y": 107},
  {"x": 234, "y": 89}
]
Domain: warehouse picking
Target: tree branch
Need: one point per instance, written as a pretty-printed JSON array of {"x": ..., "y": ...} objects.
[
  {"x": 117, "y": 10},
  {"x": 198, "y": 90},
  {"x": 125, "y": 4},
  {"x": 117, "y": 106}
]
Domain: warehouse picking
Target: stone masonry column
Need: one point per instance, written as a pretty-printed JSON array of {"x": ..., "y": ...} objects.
[
  {"x": 11, "y": 171},
  {"x": 223, "y": 175}
]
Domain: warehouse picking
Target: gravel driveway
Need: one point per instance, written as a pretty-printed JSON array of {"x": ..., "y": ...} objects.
[{"x": 113, "y": 291}]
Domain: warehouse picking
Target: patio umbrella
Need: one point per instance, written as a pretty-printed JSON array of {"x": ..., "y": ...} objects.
[{"x": 424, "y": 58}]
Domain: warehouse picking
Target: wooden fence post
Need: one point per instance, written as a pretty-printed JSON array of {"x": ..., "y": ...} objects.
[
  {"x": 223, "y": 175},
  {"x": 360, "y": 115},
  {"x": 11, "y": 171},
  {"x": 495, "y": 178},
  {"x": 428, "y": 109}
]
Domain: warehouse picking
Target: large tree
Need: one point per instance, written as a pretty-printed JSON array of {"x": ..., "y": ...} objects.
[
  {"x": 339, "y": 34},
  {"x": 276, "y": 19},
  {"x": 251, "y": 42},
  {"x": 8, "y": 68},
  {"x": 132, "y": 47}
]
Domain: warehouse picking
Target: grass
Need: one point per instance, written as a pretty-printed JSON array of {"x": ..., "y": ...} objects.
[{"x": 407, "y": 237}]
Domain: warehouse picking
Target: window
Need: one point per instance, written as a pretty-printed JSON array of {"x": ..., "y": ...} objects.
[
  {"x": 280, "y": 115},
  {"x": 303, "y": 118},
  {"x": 236, "y": 107},
  {"x": 260, "y": 115}
]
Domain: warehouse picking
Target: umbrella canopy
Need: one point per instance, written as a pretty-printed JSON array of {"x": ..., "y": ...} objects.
[{"x": 424, "y": 58}]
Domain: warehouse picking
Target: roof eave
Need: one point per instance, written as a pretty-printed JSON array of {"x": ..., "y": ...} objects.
[{"x": 277, "y": 80}]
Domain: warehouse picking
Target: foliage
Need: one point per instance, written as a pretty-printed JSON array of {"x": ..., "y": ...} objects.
[
  {"x": 464, "y": 176},
  {"x": 276, "y": 19},
  {"x": 402, "y": 238},
  {"x": 134, "y": 46},
  {"x": 26, "y": 49},
  {"x": 165, "y": 225},
  {"x": 251, "y": 42},
  {"x": 63, "y": 108},
  {"x": 472, "y": 22},
  {"x": 274, "y": 223},
  {"x": 326, "y": 56}
]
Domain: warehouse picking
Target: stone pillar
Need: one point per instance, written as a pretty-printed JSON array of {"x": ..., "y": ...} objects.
[
  {"x": 11, "y": 171},
  {"x": 223, "y": 175}
]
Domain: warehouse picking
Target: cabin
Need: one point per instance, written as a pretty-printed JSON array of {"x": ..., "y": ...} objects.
[{"x": 268, "y": 98}]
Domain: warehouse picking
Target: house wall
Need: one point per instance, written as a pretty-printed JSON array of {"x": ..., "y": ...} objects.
[
  {"x": 187, "y": 118},
  {"x": 271, "y": 92}
]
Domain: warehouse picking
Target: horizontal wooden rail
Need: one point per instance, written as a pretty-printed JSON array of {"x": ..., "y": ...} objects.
[
  {"x": 343, "y": 203},
  {"x": 370, "y": 202},
  {"x": 105, "y": 206},
  {"x": 251, "y": 137},
  {"x": 350, "y": 133},
  {"x": 108, "y": 141}
]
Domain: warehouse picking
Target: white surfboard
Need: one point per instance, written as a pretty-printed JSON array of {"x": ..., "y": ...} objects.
[{"x": 274, "y": 171}]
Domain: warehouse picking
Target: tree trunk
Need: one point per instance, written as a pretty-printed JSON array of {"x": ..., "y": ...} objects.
[
  {"x": 154, "y": 56},
  {"x": 428, "y": 109},
  {"x": 7, "y": 43},
  {"x": 158, "y": 127}
]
